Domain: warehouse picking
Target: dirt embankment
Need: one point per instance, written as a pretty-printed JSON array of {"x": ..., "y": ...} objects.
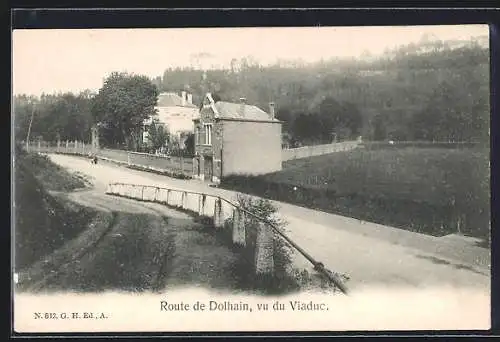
[
  {"x": 88, "y": 241},
  {"x": 42, "y": 222}
]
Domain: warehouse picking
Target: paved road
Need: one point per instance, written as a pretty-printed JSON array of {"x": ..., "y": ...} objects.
[{"x": 370, "y": 254}]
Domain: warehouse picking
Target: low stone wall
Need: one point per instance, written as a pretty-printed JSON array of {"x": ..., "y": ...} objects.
[
  {"x": 225, "y": 215},
  {"x": 317, "y": 150},
  {"x": 175, "y": 164},
  {"x": 172, "y": 165}
]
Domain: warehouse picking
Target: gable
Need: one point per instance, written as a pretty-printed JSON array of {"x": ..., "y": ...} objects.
[
  {"x": 209, "y": 103},
  {"x": 207, "y": 114}
]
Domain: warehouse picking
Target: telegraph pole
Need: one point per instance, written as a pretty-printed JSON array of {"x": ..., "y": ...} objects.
[{"x": 29, "y": 128}]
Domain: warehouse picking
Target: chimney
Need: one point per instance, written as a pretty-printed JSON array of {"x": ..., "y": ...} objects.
[
  {"x": 243, "y": 102},
  {"x": 190, "y": 98},
  {"x": 271, "y": 110},
  {"x": 183, "y": 97}
]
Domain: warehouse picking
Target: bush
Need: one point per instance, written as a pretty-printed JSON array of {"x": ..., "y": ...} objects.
[
  {"x": 284, "y": 277},
  {"x": 266, "y": 210}
]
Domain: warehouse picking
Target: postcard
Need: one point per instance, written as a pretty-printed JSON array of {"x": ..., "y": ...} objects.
[{"x": 251, "y": 179}]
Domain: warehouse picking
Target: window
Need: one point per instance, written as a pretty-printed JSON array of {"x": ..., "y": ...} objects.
[{"x": 208, "y": 134}]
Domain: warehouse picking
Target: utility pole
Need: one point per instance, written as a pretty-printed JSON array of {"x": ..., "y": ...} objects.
[{"x": 29, "y": 128}]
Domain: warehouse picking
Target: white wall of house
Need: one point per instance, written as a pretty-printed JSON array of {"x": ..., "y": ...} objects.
[
  {"x": 178, "y": 119},
  {"x": 251, "y": 147}
]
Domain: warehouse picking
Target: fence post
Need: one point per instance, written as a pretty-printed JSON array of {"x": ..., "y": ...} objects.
[
  {"x": 201, "y": 204},
  {"x": 39, "y": 146},
  {"x": 128, "y": 157},
  {"x": 239, "y": 229},
  {"x": 58, "y": 145},
  {"x": 67, "y": 146},
  {"x": 156, "y": 194},
  {"x": 218, "y": 221},
  {"x": 184, "y": 200},
  {"x": 264, "y": 251}
]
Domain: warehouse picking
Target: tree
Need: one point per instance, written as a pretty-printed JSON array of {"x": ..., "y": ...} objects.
[
  {"x": 285, "y": 115},
  {"x": 189, "y": 143},
  {"x": 64, "y": 116},
  {"x": 342, "y": 118},
  {"x": 121, "y": 105},
  {"x": 331, "y": 116},
  {"x": 450, "y": 116},
  {"x": 379, "y": 128},
  {"x": 353, "y": 117},
  {"x": 157, "y": 135},
  {"x": 305, "y": 128}
]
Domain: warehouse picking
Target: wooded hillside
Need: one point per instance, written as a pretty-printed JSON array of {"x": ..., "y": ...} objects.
[{"x": 433, "y": 90}]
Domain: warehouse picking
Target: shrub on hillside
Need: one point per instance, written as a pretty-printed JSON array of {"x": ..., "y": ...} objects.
[{"x": 284, "y": 278}]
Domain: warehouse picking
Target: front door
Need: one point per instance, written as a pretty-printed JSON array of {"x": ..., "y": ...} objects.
[{"x": 208, "y": 168}]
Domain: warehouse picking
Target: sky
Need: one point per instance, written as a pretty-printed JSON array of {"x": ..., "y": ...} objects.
[{"x": 50, "y": 61}]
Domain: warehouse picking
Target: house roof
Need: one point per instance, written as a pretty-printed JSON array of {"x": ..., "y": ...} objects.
[
  {"x": 236, "y": 111},
  {"x": 172, "y": 100},
  {"x": 229, "y": 110}
]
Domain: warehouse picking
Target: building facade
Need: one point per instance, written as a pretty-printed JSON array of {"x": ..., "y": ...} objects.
[
  {"x": 176, "y": 113},
  {"x": 235, "y": 139}
]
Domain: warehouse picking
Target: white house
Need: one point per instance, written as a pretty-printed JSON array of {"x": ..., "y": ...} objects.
[{"x": 176, "y": 112}]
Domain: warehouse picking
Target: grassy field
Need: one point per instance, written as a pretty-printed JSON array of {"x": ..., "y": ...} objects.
[{"x": 432, "y": 190}]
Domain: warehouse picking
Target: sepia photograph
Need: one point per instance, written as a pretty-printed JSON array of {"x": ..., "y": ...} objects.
[{"x": 251, "y": 179}]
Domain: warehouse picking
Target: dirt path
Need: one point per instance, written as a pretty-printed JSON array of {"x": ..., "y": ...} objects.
[
  {"x": 141, "y": 247},
  {"x": 382, "y": 255}
]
